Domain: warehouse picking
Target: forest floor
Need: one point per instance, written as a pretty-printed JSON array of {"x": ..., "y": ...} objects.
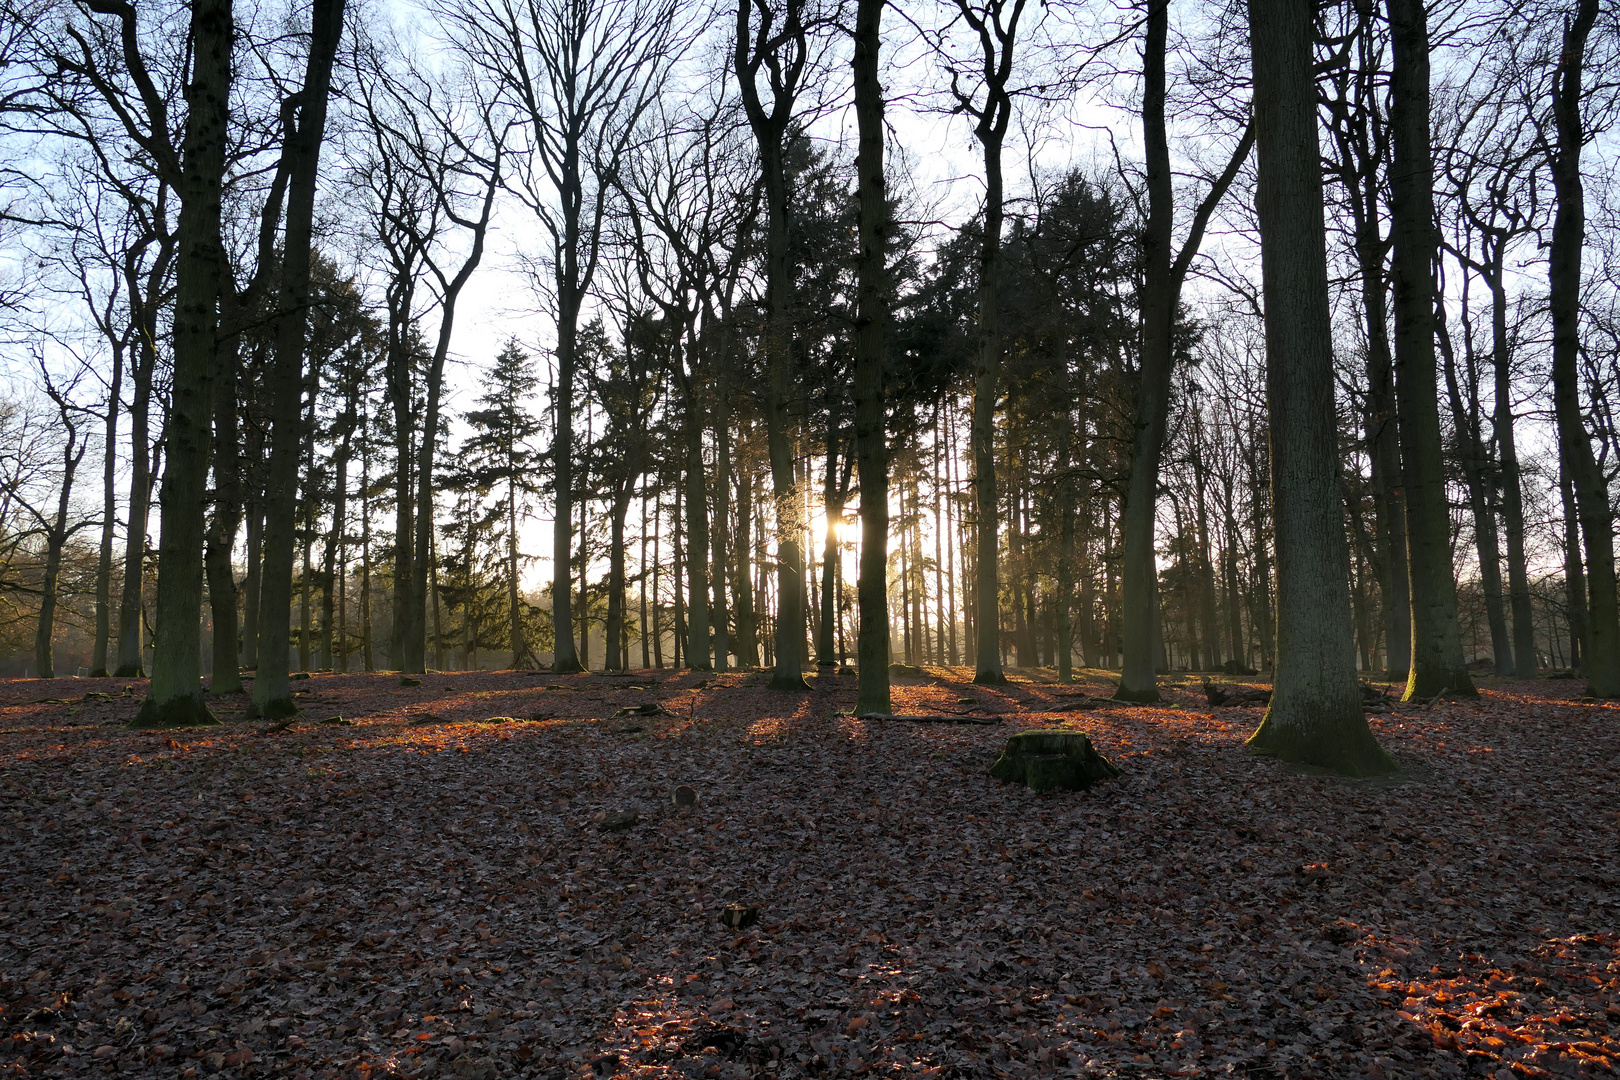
[{"x": 422, "y": 890}]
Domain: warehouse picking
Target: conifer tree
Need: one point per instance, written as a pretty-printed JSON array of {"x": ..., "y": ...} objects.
[{"x": 499, "y": 457}]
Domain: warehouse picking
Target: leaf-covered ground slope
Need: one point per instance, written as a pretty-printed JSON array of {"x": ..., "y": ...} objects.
[{"x": 417, "y": 891}]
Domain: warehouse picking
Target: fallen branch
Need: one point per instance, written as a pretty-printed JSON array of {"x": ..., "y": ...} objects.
[{"x": 945, "y": 718}]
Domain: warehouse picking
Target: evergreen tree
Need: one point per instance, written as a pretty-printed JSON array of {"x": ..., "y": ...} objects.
[{"x": 498, "y": 457}]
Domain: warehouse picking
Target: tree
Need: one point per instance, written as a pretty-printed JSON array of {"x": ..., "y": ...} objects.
[
  {"x": 1315, "y": 716},
  {"x": 579, "y": 75},
  {"x": 776, "y": 42},
  {"x": 272, "y": 694},
  {"x": 1494, "y": 193},
  {"x": 1437, "y": 659},
  {"x": 500, "y": 453},
  {"x": 57, "y": 528},
  {"x": 1564, "y": 286},
  {"x": 1361, "y": 156},
  {"x": 995, "y": 24},
  {"x": 1160, "y": 302},
  {"x": 871, "y": 318},
  {"x": 196, "y": 172}
]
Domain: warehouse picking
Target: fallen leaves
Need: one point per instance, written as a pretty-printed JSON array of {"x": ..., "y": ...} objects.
[{"x": 386, "y": 898}]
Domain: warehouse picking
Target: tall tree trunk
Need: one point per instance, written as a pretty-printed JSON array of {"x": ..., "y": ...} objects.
[
  {"x": 565, "y": 655},
  {"x": 1437, "y": 658},
  {"x": 332, "y": 561},
  {"x": 657, "y": 575},
  {"x": 306, "y": 625},
  {"x": 641, "y": 581},
  {"x": 678, "y": 552},
  {"x": 1389, "y": 489},
  {"x": 432, "y": 561},
  {"x": 1475, "y": 460},
  {"x": 1602, "y": 654},
  {"x": 1139, "y": 574},
  {"x": 367, "y": 655},
  {"x": 1315, "y": 716},
  {"x": 720, "y": 533},
  {"x": 1524, "y": 626},
  {"x": 131, "y": 597},
  {"x": 109, "y": 521},
  {"x": 56, "y": 538},
  {"x": 942, "y": 603},
  {"x": 1161, "y": 296},
  {"x": 743, "y": 585},
  {"x": 514, "y": 603},
  {"x": 986, "y": 386},
  {"x": 616, "y": 658},
  {"x": 227, "y": 514},
  {"x": 414, "y": 641},
  {"x": 1574, "y": 573},
  {"x": 871, "y": 319},
  {"x": 272, "y": 693},
  {"x": 174, "y": 696},
  {"x": 784, "y": 47},
  {"x": 1206, "y": 571},
  {"x": 832, "y": 514},
  {"x": 697, "y": 533},
  {"x": 251, "y": 578},
  {"x": 400, "y": 400}
]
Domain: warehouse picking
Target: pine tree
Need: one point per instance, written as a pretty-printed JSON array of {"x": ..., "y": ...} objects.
[{"x": 498, "y": 457}]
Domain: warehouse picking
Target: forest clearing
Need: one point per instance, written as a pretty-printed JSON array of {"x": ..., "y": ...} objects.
[{"x": 415, "y": 881}]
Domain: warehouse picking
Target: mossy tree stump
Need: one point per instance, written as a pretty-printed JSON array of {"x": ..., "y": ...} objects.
[{"x": 1052, "y": 760}]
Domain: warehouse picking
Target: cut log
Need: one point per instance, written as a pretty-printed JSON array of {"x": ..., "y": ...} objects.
[
  {"x": 945, "y": 718},
  {"x": 1052, "y": 760},
  {"x": 646, "y": 708},
  {"x": 1235, "y": 696},
  {"x": 618, "y": 821},
  {"x": 738, "y": 916}
]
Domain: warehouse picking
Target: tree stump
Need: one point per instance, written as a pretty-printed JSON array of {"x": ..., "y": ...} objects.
[{"x": 1052, "y": 760}]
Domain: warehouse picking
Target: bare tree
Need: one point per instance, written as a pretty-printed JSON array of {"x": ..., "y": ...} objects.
[
  {"x": 1360, "y": 141},
  {"x": 195, "y": 170},
  {"x": 1437, "y": 658},
  {"x": 1315, "y": 716},
  {"x": 57, "y": 527},
  {"x": 871, "y": 320},
  {"x": 775, "y": 42},
  {"x": 272, "y": 695},
  {"x": 1489, "y": 167},
  {"x": 1161, "y": 299},
  {"x": 1602, "y": 663},
  {"x": 994, "y": 24},
  {"x": 578, "y": 74},
  {"x": 434, "y": 167}
]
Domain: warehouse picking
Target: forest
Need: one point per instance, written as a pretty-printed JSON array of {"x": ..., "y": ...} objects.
[{"x": 492, "y": 491}]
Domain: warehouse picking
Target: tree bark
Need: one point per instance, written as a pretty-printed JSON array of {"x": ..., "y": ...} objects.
[
  {"x": 1315, "y": 716},
  {"x": 1475, "y": 461},
  {"x": 56, "y": 537},
  {"x": 332, "y": 561},
  {"x": 130, "y": 662},
  {"x": 1602, "y": 655},
  {"x": 272, "y": 694},
  {"x": 743, "y": 585},
  {"x": 227, "y": 513},
  {"x": 1524, "y": 627},
  {"x": 175, "y": 696},
  {"x": 1161, "y": 296},
  {"x": 697, "y": 528},
  {"x": 1574, "y": 572},
  {"x": 871, "y": 319},
  {"x": 1437, "y": 658},
  {"x": 109, "y": 521}
]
